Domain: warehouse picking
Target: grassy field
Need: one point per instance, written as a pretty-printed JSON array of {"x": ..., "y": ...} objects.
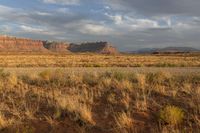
[
  {"x": 90, "y": 93},
  {"x": 95, "y": 60},
  {"x": 99, "y": 100}
]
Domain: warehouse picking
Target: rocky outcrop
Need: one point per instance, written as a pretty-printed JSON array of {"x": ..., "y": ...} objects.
[
  {"x": 96, "y": 47},
  {"x": 13, "y": 44},
  {"x": 56, "y": 46}
]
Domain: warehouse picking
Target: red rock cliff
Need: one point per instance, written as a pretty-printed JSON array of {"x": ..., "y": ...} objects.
[{"x": 13, "y": 44}]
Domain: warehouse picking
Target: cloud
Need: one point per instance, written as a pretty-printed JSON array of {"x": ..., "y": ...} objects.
[
  {"x": 157, "y": 7},
  {"x": 133, "y": 24},
  {"x": 36, "y": 30},
  {"x": 96, "y": 29},
  {"x": 42, "y": 13},
  {"x": 118, "y": 21},
  {"x": 62, "y": 2},
  {"x": 4, "y": 9}
]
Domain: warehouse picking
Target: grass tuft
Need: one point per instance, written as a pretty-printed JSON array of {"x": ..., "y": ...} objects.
[{"x": 172, "y": 115}]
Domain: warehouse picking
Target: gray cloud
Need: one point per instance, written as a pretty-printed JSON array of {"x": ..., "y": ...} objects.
[
  {"x": 158, "y": 7},
  {"x": 62, "y": 2}
]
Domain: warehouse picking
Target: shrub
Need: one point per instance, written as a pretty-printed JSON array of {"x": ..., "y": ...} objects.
[
  {"x": 119, "y": 76},
  {"x": 172, "y": 115},
  {"x": 122, "y": 85},
  {"x": 3, "y": 74},
  {"x": 157, "y": 78},
  {"x": 106, "y": 83},
  {"x": 45, "y": 75},
  {"x": 12, "y": 80},
  {"x": 77, "y": 110},
  {"x": 90, "y": 79}
]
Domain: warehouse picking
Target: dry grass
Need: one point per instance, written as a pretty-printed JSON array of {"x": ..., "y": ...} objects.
[
  {"x": 172, "y": 115},
  {"x": 95, "y": 60},
  {"x": 112, "y": 101},
  {"x": 4, "y": 122},
  {"x": 124, "y": 122}
]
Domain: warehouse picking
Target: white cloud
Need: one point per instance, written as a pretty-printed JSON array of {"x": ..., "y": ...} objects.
[
  {"x": 96, "y": 29},
  {"x": 116, "y": 18},
  {"x": 31, "y": 29},
  {"x": 141, "y": 23},
  {"x": 42, "y": 13},
  {"x": 37, "y": 30},
  {"x": 130, "y": 23},
  {"x": 62, "y": 2},
  {"x": 4, "y": 9}
]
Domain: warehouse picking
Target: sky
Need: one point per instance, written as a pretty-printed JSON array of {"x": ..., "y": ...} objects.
[{"x": 128, "y": 24}]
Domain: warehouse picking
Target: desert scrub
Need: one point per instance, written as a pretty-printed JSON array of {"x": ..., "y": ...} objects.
[
  {"x": 70, "y": 99},
  {"x": 119, "y": 75},
  {"x": 105, "y": 83},
  {"x": 172, "y": 115},
  {"x": 122, "y": 85},
  {"x": 77, "y": 110},
  {"x": 158, "y": 78},
  {"x": 91, "y": 79},
  {"x": 3, "y": 74},
  {"x": 45, "y": 75}
]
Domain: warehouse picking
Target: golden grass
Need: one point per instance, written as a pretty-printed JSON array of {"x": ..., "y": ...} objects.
[
  {"x": 172, "y": 115},
  {"x": 109, "y": 101},
  {"x": 95, "y": 60},
  {"x": 124, "y": 120}
]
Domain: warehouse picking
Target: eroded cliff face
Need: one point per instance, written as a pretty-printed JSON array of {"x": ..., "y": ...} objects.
[
  {"x": 13, "y": 44},
  {"x": 94, "y": 47},
  {"x": 56, "y": 46}
]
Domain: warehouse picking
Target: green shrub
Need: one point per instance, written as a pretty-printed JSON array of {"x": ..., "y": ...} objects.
[{"x": 172, "y": 115}]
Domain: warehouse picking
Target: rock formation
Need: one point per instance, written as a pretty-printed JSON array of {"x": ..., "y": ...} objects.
[
  {"x": 96, "y": 47},
  {"x": 13, "y": 44},
  {"x": 56, "y": 46}
]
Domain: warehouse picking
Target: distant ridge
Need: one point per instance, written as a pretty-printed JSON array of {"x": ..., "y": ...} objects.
[
  {"x": 166, "y": 50},
  {"x": 13, "y": 44}
]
